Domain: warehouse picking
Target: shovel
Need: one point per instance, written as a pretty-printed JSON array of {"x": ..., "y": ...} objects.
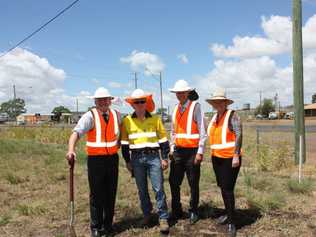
[{"x": 71, "y": 197}]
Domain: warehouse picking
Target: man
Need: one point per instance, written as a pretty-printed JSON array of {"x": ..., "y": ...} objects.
[
  {"x": 101, "y": 124},
  {"x": 143, "y": 137},
  {"x": 187, "y": 146}
]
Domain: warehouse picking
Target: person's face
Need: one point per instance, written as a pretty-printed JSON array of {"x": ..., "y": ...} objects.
[
  {"x": 182, "y": 96},
  {"x": 139, "y": 105},
  {"x": 219, "y": 105},
  {"x": 103, "y": 104}
]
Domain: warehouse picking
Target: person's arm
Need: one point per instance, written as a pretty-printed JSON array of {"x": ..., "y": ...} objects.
[
  {"x": 163, "y": 140},
  {"x": 237, "y": 130},
  {"x": 172, "y": 136},
  {"x": 198, "y": 117},
  {"x": 125, "y": 142}
]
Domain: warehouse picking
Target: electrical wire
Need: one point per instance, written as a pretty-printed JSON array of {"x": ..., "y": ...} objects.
[{"x": 40, "y": 28}]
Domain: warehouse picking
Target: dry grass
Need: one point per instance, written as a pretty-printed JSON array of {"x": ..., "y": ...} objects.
[{"x": 34, "y": 196}]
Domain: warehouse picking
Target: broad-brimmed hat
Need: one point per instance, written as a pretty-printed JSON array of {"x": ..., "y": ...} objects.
[
  {"x": 101, "y": 92},
  {"x": 180, "y": 86},
  {"x": 140, "y": 94},
  {"x": 219, "y": 94}
]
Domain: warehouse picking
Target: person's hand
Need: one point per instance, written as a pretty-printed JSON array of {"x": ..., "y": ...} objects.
[
  {"x": 71, "y": 157},
  {"x": 164, "y": 164},
  {"x": 198, "y": 159},
  {"x": 129, "y": 167},
  {"x": 236, "y": 161},
  {"x": 170, "y": 156}
]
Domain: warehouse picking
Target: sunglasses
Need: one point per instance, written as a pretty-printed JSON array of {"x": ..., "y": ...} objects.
[{"x": 139, "y": 102}]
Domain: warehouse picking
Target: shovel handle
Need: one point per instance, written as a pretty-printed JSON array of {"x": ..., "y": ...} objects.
[{"x": 71, "y": 178}]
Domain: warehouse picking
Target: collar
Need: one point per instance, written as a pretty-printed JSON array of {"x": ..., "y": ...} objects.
[
  {"x": 147, "y": 115},
  {"x": 185, "y": 105}
]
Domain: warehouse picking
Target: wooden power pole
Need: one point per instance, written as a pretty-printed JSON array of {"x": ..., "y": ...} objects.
[{"x": 298, "y": 82}]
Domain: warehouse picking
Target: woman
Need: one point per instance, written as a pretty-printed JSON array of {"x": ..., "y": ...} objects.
[{"x": 225, "y": 136}]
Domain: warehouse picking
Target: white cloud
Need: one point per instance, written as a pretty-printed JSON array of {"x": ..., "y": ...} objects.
[
  {"x": 244, "y": 79},
  {"x": 148, "y": 62},
  {"x": 113, "y": 84},
  {"x": 183, "y": 58},
  {"x": 36, "y": 81},
  {"x": 277, "y": 39}
]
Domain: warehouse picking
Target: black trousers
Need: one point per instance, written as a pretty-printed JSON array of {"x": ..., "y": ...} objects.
[
  {"x": 183, "y": 163},
  {"x": 103, "y": 178},
  {"x": 226, "y": 177}
]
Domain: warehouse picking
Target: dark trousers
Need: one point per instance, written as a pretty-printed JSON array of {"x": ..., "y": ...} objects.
[
  {"x": 226, "y": 177},
  {"x": 103, "y": 178},
  {"x": 183, "y": 163}
]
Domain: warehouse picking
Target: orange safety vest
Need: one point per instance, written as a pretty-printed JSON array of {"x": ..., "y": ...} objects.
[
  {"x": 103, "y": 138},
  {"x": 222, "y": 140},
  {"x": 185, "y": 128}
]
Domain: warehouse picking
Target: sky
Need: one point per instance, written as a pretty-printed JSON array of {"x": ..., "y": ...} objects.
[{"x": 242, "y": 46}]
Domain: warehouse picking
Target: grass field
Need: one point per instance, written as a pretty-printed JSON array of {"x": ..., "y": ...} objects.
[{"x": 34, "y": 191}]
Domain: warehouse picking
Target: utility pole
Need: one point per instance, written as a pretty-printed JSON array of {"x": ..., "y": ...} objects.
[
  {"x": 14, "y": 102},
  {"x": 135, "y": 74},
  {"x": 161, "y": 100},
  {"x": 260, "y": 95},
  {"x": 298, "y": 88}
]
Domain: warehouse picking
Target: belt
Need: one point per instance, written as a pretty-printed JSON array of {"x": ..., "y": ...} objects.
[{"x": 146, "y": 150}]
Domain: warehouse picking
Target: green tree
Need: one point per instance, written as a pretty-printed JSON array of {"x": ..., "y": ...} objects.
[
  {"x": 13, "y": 107},
  {"x": 314, "y": 98},
  {"x": 57, "y": 111},
  {"x": 265, "y": 108}
]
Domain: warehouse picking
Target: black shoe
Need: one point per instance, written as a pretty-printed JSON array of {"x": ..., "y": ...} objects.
[
  {"x": 222, "y": 220},
  {"x": 193, "y": 218},
  {"x": 231, "y": 232},
  {"x": 176, "y": 215},
  {"x": 108, "y": 231},
  {"x": 95, "y": 233}
]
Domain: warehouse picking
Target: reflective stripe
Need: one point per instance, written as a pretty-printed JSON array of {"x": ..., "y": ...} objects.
[
  {"x": 143, "y": 145},
  {"x": 142, "y": 135},
  {"x": 188, "y": 136},
  {"x": 163, "y": 140},
  {"x": 222, "y": 146},
  {"x": 97, "y": 125},
  {"x": 101, "y": 144},
  {"x": 124, "y": 142},
  {"x": 116, "y": 129},
  {"x": 225, "y": 127},
  {"x": 190, "y": 117}
]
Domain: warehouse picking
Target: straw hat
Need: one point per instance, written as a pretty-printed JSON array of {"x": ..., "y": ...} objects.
[
  {"x": 219, "y": 94},
  {"x": 181, "y": 85},
  {"x": 140, "y": 94},
  {"x": 101, "y": 92}
]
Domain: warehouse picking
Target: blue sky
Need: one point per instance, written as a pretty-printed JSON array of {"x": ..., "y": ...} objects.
[{"x": 101, "y": 43}]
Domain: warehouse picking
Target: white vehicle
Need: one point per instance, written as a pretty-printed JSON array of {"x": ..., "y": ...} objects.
[
  {"x": 273, "y": 115},
  {"x": 4, "y": 117}
]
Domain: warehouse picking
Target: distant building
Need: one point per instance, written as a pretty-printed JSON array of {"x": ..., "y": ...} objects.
[
  {"x": 33, "y": 118},
  {"x": 310, "y": 110}
]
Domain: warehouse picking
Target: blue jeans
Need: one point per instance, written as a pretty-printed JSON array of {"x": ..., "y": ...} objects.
[{"x": 150, "y": 165}]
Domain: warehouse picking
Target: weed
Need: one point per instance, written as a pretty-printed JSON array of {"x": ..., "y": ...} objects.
[
  {"x": 13, "y": 179},
  {"x": 4, "y": 220},
  {"x": 305, "y": 187}
]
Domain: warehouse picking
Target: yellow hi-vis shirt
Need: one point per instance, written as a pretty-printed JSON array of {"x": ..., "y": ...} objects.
[{"x": 138, "y": 134}]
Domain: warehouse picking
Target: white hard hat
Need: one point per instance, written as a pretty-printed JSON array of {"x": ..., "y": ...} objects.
[
  {"x": 101, "y": 92},
  {"x": 181, "y": 85}
]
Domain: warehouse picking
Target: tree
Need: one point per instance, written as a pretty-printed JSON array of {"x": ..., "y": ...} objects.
[
  {"x": 314, "y": 98},
  {"x": 57, "y": 111},
  {"x": 13, "y": 107},
  {"x": 266, "y": 107}
]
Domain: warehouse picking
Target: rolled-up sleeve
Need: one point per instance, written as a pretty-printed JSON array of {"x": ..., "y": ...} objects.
[
  {"x": 85, "y": 123},
  {"x": 163, "y": 140},
  {"x": 199, "y": 119}
]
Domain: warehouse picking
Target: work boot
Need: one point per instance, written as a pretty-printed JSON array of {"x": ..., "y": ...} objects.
[
  {"x": 164, "y": 226},
  {"x": 176, "y": 215},
  {"x": 95, "y": 233},
  {"x": 193, "y": 218},
  {"x": 231, "y": 232},
  {"x": 146, "y": 221},
  {"x": 222, "y": 220}
]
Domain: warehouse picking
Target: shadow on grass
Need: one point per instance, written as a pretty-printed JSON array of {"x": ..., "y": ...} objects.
[{"x": 243, "y": 217}]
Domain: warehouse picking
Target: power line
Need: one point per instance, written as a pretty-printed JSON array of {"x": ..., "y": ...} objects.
[{"x": 40, "y": 28}]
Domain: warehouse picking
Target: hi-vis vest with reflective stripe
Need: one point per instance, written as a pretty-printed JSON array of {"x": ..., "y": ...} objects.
[
  {"x": 185, "y": 128},
  {"x": 142, "y": 134},
  {"x": 103, "y": 138},
  {"x": 222, "y": 140}
]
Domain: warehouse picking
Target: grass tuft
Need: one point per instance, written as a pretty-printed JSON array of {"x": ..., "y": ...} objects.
[{"x": 305, "y": 187}]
